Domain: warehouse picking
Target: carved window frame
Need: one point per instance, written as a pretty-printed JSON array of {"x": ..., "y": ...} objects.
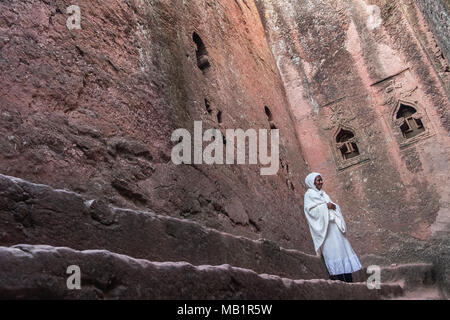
[
  {"x": 396, "y": 124},
  {"x": 341, "y": 162}
]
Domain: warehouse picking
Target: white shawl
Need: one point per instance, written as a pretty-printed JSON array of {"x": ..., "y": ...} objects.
[{"x": 317, "y": 213}]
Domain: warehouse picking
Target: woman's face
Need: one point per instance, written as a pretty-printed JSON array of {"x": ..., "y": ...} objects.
[{"x": 318, "y": 182}]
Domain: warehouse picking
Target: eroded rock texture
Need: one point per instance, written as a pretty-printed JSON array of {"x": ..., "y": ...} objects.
[
  {"x": 359, "y": 90},
  {"x": 93, "y": 110},
  {"x": 437, "y": 13},
  {"x": 112, "y": 276},
  {"x": 354, "y": 71},
  {"x": 37, "y": 214}
]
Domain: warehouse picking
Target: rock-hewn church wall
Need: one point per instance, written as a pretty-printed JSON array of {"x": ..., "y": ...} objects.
[
  {"x": 437, "y": 13},
  {"x": 354, "y": 73},
  {"x": 359, "y": 90},
  {"x": 92, "y": 110}
]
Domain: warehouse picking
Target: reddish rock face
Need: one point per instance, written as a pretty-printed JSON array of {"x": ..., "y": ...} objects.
[
  {"x": 358, "y": 90},
  {"x": 92, "y": 110},
  {"x": 369, "y": 95},
  {"x": 35, "y": 214}
]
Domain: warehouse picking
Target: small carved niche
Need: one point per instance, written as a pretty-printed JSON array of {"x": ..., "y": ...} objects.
[
  {"x": 208, "y": 106},
  {"x": 270, "y": 118},
  {"x": 268, "y": 113},
  {"x": 412, "y": 124},
  {"x": 346, "y": 143},
  {"x": 201, "y": 52}
]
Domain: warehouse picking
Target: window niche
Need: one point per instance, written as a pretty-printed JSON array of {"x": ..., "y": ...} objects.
[
  {"x": 201, "y": 53},
  {"x": 270, "y": 118},
  {"x": 346, "y": 143},
  {"x": 208, "y": 106},
  {"x": 410, "y": 124},
  {"x": 348, "y": 149}
]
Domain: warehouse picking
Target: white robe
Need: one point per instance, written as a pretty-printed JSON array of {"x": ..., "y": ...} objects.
[
  {"x": 319, "y": 216},
  {"x": 327, "y": 229}
]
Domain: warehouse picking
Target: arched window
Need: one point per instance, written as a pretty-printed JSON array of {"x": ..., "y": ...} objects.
[
  {"x": 411, "y": 125},
  {"x": 201, "y": 52},
  {"x": 346, "y": 142}
]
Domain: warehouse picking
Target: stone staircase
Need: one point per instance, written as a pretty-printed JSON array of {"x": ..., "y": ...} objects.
[
  {"x": 417, "y": 280},
  {"x": 129, "y": 254},
  {"x": 30, "y": 272}
]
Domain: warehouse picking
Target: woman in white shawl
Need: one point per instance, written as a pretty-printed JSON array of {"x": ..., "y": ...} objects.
[{"x": 328, "y": 228}]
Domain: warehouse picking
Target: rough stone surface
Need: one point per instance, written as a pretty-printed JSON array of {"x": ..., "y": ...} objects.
[
  {"x": 93, "y": 110},
  {"x": 412, "y": 275},
  {"x": 106, "y": 275},
  {"x": 437, "y": 13},
  {"x": 346, "y": 65},
  {"x": 37, "y": 214},
  {"x": 435, "y": 251}
]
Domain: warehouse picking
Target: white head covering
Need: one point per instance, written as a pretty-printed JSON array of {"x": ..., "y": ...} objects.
[
  {"x": 310, "y": 178},
  {"x": 317, "y": 213}
]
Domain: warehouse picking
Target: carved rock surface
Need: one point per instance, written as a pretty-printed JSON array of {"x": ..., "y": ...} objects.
[
  {"x": 349, "y": 66},
  {"x": 93, "y": 109},
  {"x": 37, "y": 214},
  {"x": 105, "y": 275}
]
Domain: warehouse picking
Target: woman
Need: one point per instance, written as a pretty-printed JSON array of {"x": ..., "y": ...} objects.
[{"x": 327, "y": 227}]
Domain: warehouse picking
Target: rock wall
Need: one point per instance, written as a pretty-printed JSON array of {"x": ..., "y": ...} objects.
[
  {"x": 437, "y": 14},
  {"x": 350, "y": 69},
  {"x": 37, "y": 214},
  {"x": 92, "y": 110},
  {"x": 110, "y": 276}
]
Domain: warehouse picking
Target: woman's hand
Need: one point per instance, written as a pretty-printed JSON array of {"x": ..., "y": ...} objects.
[{"x": 331, "y": 206}]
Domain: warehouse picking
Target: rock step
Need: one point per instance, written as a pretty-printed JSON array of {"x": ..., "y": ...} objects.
[
  {"x": 39, "y": 272},
  {"x": 411, "y": 275},
  {"x": 431, "y": 293},
  {"x": 414, "y": 275},
  {"x": 418, "y": 280},
  {"x": 38, "y": 214}
]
